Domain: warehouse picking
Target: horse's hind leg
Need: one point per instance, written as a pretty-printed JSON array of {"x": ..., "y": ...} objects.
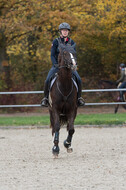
[
  {"x": 67, "y": 142},
  {"x": 116, "y": 108}
]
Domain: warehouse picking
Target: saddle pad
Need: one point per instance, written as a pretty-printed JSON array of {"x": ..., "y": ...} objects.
[
  {"x": 75, "y": 84},
  {"x": 52, "y": 82}
]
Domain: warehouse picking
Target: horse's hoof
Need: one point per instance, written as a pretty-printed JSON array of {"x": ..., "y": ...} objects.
[
  {"x": 55, "y": 150},
  {"x": 67, "y": 145},
  {"x": 70, "y": 150},
  {"x": 55, "y": 156}
]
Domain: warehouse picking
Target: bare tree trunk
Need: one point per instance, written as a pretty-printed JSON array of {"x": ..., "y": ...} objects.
[{"x": 4, "y": 60}]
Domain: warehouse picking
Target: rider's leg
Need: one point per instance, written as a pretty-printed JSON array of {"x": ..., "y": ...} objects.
[
  {"x": 79, "y": 82},
  {"x": 51, "y": 73},
  {"x": 44, "y": 101},
  {"x": 123, "y": 85}
]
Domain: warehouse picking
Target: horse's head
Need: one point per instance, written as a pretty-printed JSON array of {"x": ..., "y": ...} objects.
[{"x": 67, "y": 57}]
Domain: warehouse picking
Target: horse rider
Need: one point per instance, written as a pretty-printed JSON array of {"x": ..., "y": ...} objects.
[
  {"x": 64, "y": 29},
  {"x": 122, "y": 80}
]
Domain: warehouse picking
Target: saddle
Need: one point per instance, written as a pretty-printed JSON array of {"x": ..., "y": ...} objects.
[{"x": 52, "y": 81}]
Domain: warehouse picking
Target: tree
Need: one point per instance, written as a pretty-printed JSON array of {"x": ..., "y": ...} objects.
[{"x": 98, "y": 28}]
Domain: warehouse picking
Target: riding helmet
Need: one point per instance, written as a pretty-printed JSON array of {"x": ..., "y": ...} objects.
[
  {"x": 64, "y": 25},
  {"x": 122, "y": 65}
]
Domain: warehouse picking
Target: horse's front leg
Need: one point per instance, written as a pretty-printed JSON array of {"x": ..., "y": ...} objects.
[
  {"x": 67, "y": 142},
  {"x": 55, "y": 149}
]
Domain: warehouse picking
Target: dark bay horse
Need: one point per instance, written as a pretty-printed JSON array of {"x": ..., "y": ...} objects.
[
  {"x": 63, "y": 99},
  {"x": 105, "y": 84}
]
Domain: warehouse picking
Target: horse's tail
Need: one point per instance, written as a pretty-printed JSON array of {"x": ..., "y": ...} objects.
[{"x": 63, "y": 119}]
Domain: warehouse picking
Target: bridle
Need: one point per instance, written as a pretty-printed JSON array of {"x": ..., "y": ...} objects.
[
  {"x": 68, "y": 62},
  {"x": 68, "y": 65}
]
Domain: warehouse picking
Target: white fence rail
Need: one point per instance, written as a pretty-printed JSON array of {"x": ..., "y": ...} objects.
[{"x": 41, "y": 92}]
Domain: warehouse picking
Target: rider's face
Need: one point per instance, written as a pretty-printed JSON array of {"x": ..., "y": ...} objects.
[{"x": 64, "y": 32}]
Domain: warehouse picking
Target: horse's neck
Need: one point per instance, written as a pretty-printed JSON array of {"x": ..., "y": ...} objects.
[
  {"x": 108, "y": 85},
  {"x": 65, "y": 77},
  {"x": 113, "y": 94}
]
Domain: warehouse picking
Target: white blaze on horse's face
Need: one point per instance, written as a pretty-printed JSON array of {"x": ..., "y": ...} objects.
[
  {"x": 73, "y": 61},
  {"x": 72, "y": 58}
]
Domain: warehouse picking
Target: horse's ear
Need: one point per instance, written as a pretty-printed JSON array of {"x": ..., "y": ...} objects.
[{"x": 61, "y": 47}]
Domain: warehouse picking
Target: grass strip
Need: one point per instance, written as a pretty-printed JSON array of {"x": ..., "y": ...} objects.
[{"x": 81, "y": 119}]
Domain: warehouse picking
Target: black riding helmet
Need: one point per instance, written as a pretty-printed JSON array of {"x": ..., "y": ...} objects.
[
  {"x": 64, "y": 25},
  {"x": 122, "y": 65}
]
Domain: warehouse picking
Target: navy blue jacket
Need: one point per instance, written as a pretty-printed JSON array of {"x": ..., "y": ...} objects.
[{"x": 55, "y": 49}]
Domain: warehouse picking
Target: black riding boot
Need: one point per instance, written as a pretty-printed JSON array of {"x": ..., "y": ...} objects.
[
  {"x": 121, "y": 96},
  {"x": 44, "y": 101},
  {"x": 80, "y": 101}
]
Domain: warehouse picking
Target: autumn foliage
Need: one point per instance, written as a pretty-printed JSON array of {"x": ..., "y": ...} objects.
[{"x": 28, "y": 27}]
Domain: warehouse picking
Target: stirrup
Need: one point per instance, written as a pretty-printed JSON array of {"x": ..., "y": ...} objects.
[
  {"x": 81, "y": 101},
  {"x": 44, "y": 102}
]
